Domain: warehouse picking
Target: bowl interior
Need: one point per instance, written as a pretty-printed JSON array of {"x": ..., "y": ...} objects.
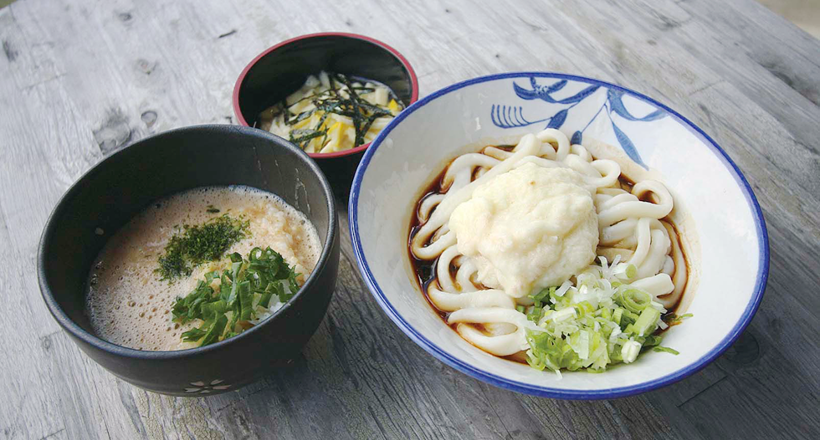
[
  {"x": 731, "y": 264},
  {"x": 284, "y": 68},
  {"x": 125, "y": 183}
]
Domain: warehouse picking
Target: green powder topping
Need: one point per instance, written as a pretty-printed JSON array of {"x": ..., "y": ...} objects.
[{"x": 194, "y": 245}]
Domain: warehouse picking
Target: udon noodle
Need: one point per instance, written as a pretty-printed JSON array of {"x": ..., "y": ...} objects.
[{"x": 632, "y": 229}]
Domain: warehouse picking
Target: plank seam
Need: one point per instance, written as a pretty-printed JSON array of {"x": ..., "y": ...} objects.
[{"x": 680, "y": 405}]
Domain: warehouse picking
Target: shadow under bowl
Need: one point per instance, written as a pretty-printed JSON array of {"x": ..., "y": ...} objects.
[{"x": 125, "y": 183}]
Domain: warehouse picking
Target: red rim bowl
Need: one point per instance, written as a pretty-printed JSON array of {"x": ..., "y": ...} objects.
[{"x": 282, "y": 69}]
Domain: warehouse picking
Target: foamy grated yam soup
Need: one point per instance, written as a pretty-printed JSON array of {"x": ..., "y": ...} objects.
[{"x": 128, "y": 302}]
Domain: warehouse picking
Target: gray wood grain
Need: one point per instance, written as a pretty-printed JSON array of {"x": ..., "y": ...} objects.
[{"x": 80, "y": 79}]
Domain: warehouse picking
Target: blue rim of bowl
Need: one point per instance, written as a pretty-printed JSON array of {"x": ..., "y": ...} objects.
[{"x": 492, "y": 379}]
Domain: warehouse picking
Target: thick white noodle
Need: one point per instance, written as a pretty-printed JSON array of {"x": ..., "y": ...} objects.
[{"x": 630, "y": 229}]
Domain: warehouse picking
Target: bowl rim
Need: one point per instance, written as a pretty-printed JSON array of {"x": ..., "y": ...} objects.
[
  {"x": 130, "y": 353},
  {"x": 414, "y": 82},
  {"x": 527, "y": 388}
]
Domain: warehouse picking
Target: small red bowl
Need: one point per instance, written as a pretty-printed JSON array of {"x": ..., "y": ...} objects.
[{"x": 283, "y": 68}]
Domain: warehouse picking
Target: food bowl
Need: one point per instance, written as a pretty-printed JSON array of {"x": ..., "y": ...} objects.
[
  {"x": 283, "y": 68},
  {"x": 122, "y": 185},
  {"x": 731, "y": 266}
]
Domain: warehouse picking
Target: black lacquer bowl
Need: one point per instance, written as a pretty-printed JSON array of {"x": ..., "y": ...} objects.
[
  {"x": 122, "y": 185},
  {"x": 282, "y": 69}
]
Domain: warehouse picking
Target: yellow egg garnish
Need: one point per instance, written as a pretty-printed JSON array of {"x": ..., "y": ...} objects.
[
  {"x": 335, "y": 135},
  {"x": 393, "y": 106}
]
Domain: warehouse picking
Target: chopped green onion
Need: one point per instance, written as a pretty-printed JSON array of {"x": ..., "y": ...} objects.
[
  {"x": 596, "y": 321},
  {"x": 652, "y": 340},
  {"x": 535, "y": 314},
  {"x": 633, "y": 300},
  {"x": 647, "y": 322},
  {"x": 616, "y": 316},
  {"x": 541, "y": 296},
  {"x": 630, "y": 351},
  {"x": 673, "y": 319},
  {"x": 263, "y": 274},
  {"x": 666, "y": 350}
]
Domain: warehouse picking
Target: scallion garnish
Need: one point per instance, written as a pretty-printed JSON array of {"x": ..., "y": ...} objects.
[
  {"x": 595, "y": 321},
  {"x": 225, "y": 302},
  {"x": 666, "y": 350}
]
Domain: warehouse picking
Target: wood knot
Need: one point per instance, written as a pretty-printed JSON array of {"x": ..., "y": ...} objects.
[
  {"x": 776, "y": 324},
  {"x": 745, "y": 350},
  {"x": 9, "y": 51},
  {"x": 125, "y": 17},
  {"x": 146, "y": 66},
  {"x": 45, "y": 342},
  {"x": 667, "y": 23},
  {"x": 149, "y": 118},
  {"x": 113, "y": 133}
]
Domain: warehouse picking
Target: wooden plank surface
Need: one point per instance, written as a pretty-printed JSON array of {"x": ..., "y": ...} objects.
[{"x": 81, "y": 78}]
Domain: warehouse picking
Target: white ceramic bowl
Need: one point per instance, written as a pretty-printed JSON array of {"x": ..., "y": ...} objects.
[{"x": 409, "y": 152}]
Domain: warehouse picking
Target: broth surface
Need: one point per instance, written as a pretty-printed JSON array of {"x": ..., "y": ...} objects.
[{"x": 128, "y": 302}]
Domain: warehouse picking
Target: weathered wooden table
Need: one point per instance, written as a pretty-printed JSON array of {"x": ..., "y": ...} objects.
[{"x": 80, "y": 79}]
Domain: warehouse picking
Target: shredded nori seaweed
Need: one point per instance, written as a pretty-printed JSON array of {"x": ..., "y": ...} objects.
[
  {"x": 302, "y": 135},
  {"x": 361, "y": 112}
]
